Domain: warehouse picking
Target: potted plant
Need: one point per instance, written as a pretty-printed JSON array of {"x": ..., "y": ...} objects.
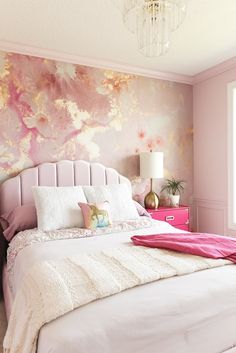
[{"x": 174, "y": 187}]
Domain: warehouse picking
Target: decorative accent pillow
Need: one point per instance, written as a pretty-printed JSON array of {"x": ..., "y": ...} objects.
[
  {"x": 21, "y": 218},
  {"x": 57, "y": 207},
  {"x": 141, "y": 210},
  {"x": 119, "y": 197},
  {"x": 96, "y": 216}
]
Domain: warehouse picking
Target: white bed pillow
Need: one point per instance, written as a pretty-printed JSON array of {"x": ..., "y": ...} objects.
[
  {"x": 57, "y": 207},
  {"x": 119, "y": 197}
]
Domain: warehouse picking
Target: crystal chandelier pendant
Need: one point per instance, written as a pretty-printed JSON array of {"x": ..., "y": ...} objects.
[
  {"x": 178, "y": 10},
  {"x": 129, "y": 13},
  {"x": 153, "y": 28},
  {"x": 128, "y": 9},
  {"x": 152, "y": 21}
]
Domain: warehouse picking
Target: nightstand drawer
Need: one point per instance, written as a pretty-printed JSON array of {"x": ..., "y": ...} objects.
[
  {"x": 183, "y": 227},
  {"x": 175, "y": 216}
]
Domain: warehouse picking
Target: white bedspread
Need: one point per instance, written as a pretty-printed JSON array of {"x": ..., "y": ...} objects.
[{"x": 177, "y": 315}]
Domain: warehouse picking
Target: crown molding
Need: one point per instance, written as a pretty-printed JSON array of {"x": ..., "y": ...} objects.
[
  {"x": 215, "y": 70},
  {"x": 12, "y": 47}
]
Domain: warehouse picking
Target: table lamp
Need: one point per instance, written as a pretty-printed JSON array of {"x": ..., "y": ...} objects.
[{"x": 151, "y": 166}]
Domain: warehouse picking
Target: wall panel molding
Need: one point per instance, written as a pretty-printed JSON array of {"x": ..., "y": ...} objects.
[{"x": 210, "y": 216}]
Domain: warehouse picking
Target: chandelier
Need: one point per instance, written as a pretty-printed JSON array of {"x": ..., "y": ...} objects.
[{"x": 153, "y": 21}]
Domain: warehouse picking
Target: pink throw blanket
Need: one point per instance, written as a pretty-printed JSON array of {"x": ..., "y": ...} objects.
[{"x": 201, "y": 244}]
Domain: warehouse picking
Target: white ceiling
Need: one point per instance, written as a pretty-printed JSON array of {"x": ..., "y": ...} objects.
[{"x": 94, "y": 29}]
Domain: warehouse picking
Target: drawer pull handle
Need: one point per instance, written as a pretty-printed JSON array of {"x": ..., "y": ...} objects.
[{"x": 170, "y": 218}]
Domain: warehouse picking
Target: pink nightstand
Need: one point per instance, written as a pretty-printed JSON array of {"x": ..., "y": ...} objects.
[{"x": 176, "y": 216}]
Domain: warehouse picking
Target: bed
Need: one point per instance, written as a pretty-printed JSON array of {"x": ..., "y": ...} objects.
[{"x": 192, "y": 313}]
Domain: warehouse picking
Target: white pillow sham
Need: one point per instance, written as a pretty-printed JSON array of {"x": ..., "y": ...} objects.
[
  {"x": 120, "y": 200},
  {"x": 57, "y": 207}
]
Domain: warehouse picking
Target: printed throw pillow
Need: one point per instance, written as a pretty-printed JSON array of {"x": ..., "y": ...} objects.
[
  {"x": 95, "y": 215},
  {"x": 119, "y": 197}
]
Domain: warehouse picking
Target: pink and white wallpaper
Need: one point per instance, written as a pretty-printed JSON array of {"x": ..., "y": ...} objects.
[{"x": 51, "y": 110}]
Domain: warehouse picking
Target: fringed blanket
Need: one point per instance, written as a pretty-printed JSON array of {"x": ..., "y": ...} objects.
[
  {"x": 53, "y": 288},
  {"x": 33, "y": 236}
]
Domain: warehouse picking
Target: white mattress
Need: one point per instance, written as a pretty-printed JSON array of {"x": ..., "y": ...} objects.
[{"x": 190, "y": 314}]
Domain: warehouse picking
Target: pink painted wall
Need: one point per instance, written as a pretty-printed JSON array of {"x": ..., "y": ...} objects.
[
  {"x": 210, "y": 152},
  {"x": 51, "y": 110}
]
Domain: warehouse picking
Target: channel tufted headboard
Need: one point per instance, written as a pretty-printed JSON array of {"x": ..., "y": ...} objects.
[{"x": 17, "y": 190}]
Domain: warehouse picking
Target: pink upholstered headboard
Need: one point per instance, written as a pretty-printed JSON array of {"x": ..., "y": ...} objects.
[{"x": 17, "y": 191}]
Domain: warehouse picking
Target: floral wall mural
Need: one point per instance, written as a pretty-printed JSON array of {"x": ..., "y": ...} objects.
[{"x": 51, "y": 110}]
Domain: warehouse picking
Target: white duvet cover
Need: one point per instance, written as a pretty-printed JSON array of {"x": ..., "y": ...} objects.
[{"x": 190, "y": 314}]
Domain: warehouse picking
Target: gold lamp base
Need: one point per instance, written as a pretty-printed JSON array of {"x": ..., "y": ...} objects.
[{"x": 151, "y": 201}]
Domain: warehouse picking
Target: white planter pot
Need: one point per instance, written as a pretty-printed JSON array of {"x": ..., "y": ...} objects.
[{"x": 174, "y": 200}]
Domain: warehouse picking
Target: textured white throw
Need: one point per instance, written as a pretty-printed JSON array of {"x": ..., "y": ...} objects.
[{"x": 53, "y": 288}]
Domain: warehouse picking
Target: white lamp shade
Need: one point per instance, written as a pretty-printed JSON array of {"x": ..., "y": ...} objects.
[{"x": 151, "y": 165}]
